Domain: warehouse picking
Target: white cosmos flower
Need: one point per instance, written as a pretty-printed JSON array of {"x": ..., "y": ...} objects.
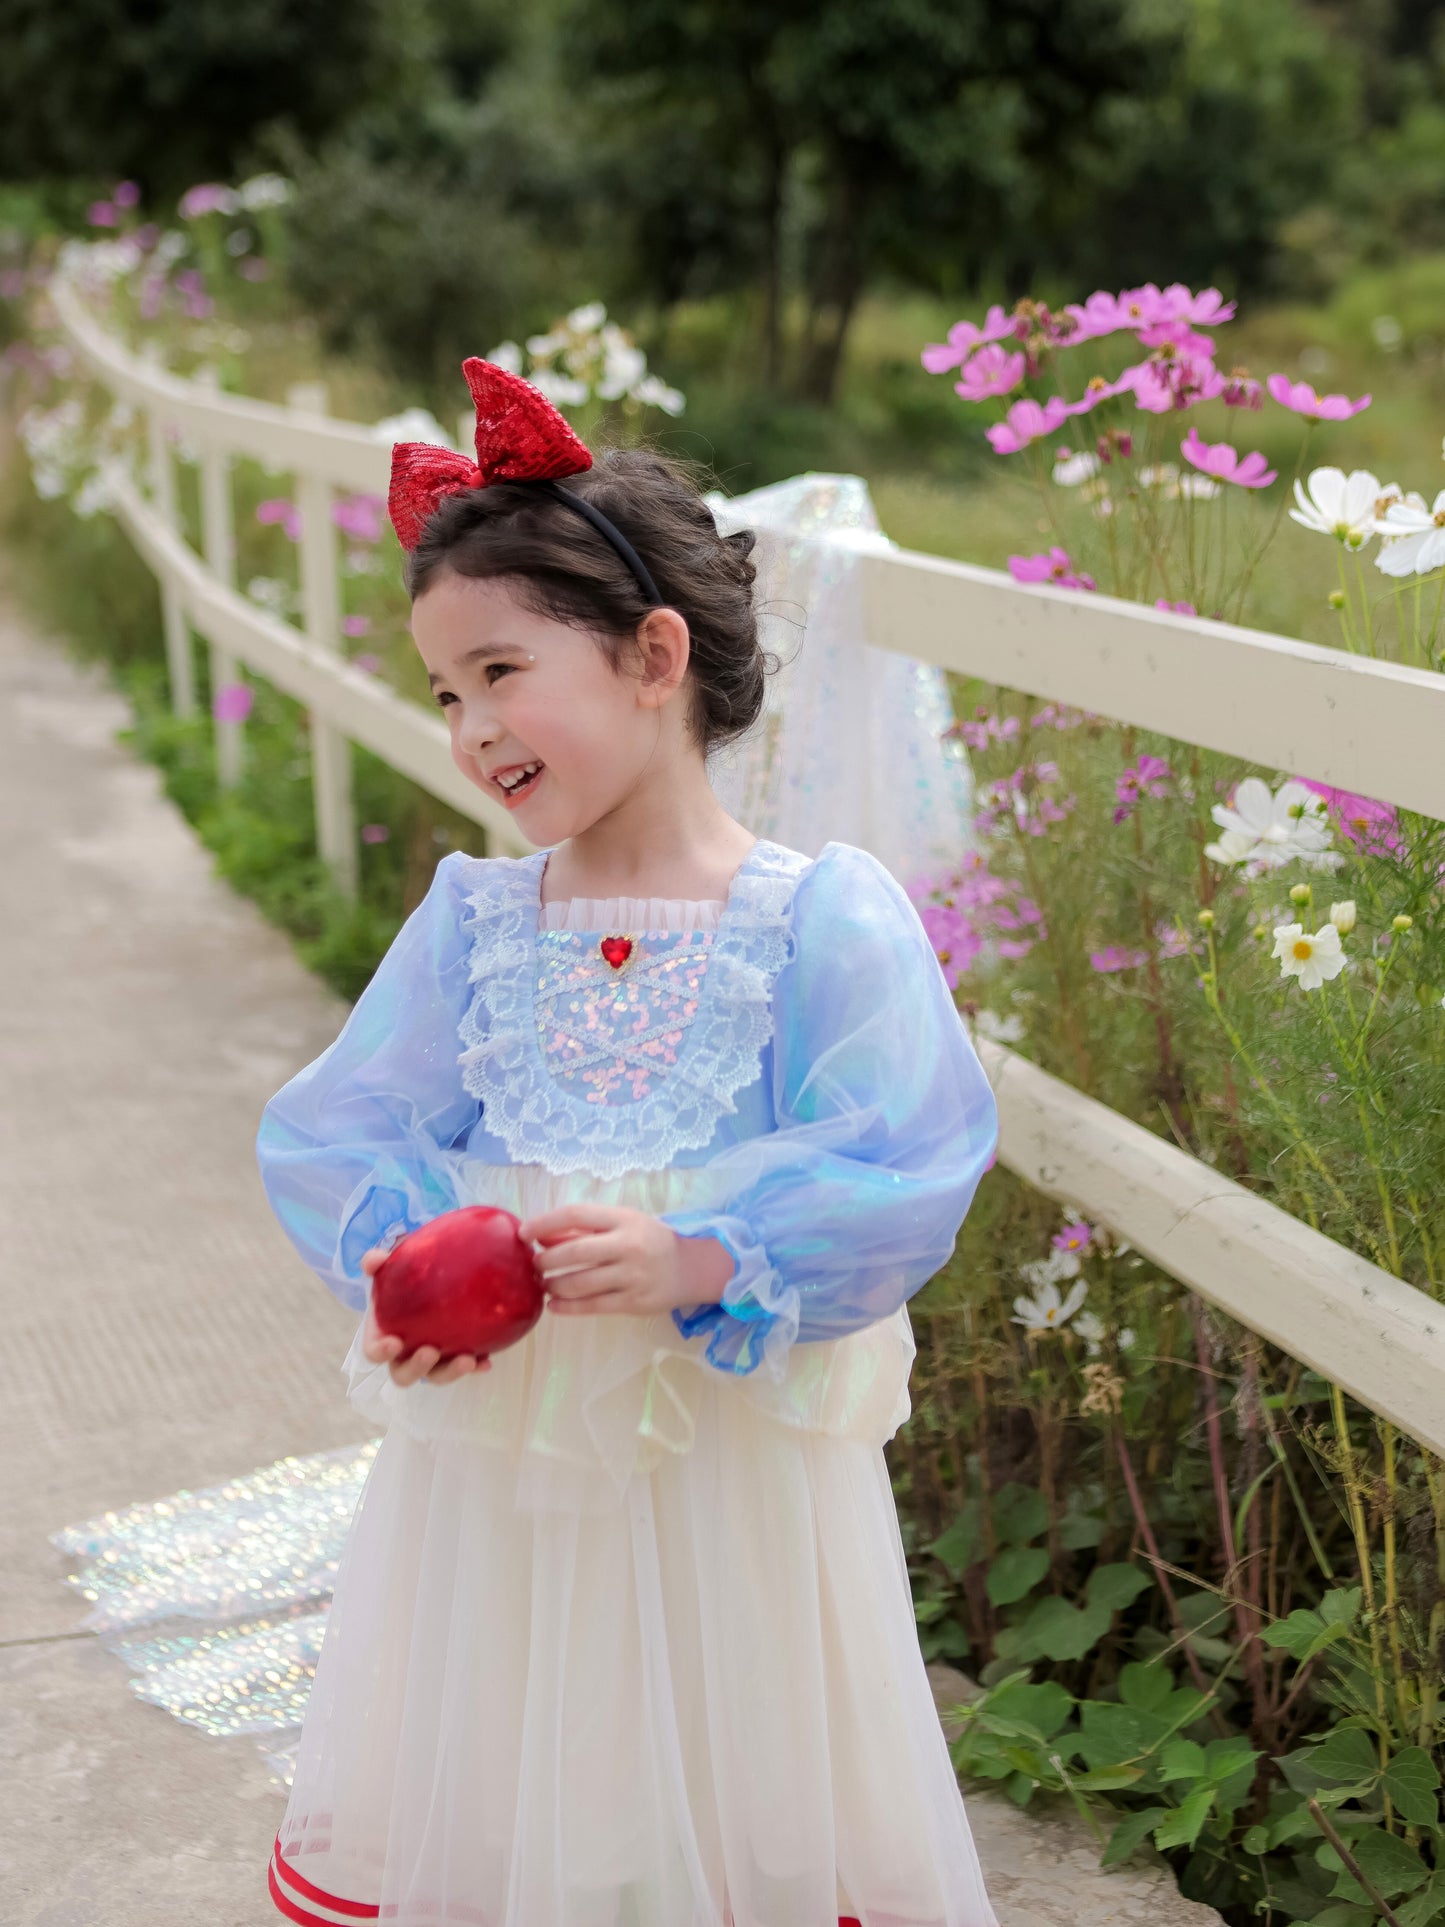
[
  {"x": 1416, "y": 535},
  {"x": 563, "y": 391},
  {"x": 1092, "y": 1329},
  {"x": 1342, "y": 916},
  {"x": 412, "y": 425},
  {"x": 1313, "y": 959},
  {"x": 1000, "y": 1030},
  {"x": 1333, "y": 503},
  {"x": 1267, "y": 831},
  {"x": 1070, "y": 470},
  {"x": 1050, "y": 1270},
  {"x": 508, "y": 355},
  {"x": 587, "y": 319},
  {"x": 1046, "y": 1311}
]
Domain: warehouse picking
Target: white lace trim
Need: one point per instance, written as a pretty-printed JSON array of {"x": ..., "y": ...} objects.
[
  {"x": 502, "y": 1062},
  {"x": 654, "y": 916}
]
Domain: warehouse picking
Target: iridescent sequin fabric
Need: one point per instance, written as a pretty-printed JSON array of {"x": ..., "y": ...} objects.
[
  {"x": 608, "y": 1034},
  {"x": 216, "y": 1599}
]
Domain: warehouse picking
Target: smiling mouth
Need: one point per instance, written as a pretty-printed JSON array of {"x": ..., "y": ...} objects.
[{"x": 519, "y": 782}]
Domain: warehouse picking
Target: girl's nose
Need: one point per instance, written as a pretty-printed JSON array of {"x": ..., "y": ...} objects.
[{"x": 478, "y": 730}]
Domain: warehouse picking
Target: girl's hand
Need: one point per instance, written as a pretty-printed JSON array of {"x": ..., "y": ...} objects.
[
  {"x": 601, "y": 1257},
  {"x": 383, "y": 1349}
]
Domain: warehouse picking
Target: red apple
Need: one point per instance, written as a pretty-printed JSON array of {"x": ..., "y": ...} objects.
[{"x": 465, "y": 1283}]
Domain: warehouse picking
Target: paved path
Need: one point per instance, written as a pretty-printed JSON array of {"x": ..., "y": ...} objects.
[{"x": 160, "y": 1332}]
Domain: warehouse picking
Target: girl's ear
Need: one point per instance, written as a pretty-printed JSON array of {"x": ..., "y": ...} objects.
[{"x": 665, "y": 649}]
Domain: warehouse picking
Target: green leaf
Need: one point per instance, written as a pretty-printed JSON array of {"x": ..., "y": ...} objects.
[
  {"x": 1344, "y": 1915},
  {"x": 1182, "y": 1760},
  {"x": 1347, "y": 1756},
  {"x": 1411, "y": 1780},
  {"x": 1388, "y": 1861},
  {"x": 1145, "y": 1685},
  {"x": 1045, "y": 1706},
  {"x": 1131, "y": 1833},
  {"x": 1256, "y": 1840},
  {"x": 1020, "y": 1513},
  {"x": 1056, "y": 1630},
  {"x": 1304, "y": 1634},
  {"x": 1426, "y": 1906},
  {"x": 958, "y": 1547},
  {"x": 1107, "y": 1779},
  {"x": 1020, "y": 1789},
  {"x": 1016, "y": 1571},
  {"x": 1115, "y": 1586},
  {"x": 1079, "y": 1530},
  {"x": 1185, "y": 1824},
  {"x": 1341, "y": 1607},
  {"x": 1111, "y": 1735}
]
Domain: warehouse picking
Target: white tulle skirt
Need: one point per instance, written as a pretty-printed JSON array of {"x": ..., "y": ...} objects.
[{"x": 619, "y": 1641}]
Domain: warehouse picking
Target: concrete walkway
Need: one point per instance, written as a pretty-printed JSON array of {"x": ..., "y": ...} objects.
[{"x": 160, "y": 1332}]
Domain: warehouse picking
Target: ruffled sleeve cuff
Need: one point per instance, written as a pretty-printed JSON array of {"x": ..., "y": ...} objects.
[
  {"x": 756, "y": 1320},
  {"x": 383, "y": 1217}
]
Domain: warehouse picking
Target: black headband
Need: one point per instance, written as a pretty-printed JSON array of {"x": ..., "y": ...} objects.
[{"x": 611, "y": 533}]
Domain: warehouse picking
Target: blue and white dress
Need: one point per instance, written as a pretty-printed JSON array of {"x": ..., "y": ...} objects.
[{"x": 623, "y": 1634}]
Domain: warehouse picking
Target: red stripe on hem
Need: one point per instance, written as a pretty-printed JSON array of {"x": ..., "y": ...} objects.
[
  {"x": 357, "y": 1909},
  {"x": 289, "y": 1906}
]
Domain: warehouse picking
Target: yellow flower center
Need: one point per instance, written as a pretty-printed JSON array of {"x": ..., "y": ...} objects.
[
  {"x": 1440, "y": 518},
  {"x": 1303, "y": 948}
]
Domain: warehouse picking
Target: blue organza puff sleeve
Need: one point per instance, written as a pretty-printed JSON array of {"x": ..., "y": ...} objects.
[
  {"x": 885, "y": 1120},
  {"x": 350, "y": 1151}
]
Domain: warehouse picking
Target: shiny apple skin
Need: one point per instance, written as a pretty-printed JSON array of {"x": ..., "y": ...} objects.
[{"x": 464, "y": 1283}]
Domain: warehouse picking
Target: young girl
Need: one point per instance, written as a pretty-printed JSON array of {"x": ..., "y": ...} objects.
[{"x": 623, "y": 1635}]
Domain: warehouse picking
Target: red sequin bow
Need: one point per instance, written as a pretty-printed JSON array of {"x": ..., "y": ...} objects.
[{"x": 520, "y": 438}]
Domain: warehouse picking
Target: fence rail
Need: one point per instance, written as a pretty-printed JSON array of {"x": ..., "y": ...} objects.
[{"x": 1369, "y": 726}]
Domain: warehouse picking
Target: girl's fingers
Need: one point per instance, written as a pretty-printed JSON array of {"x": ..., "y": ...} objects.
[
  {"x": 581, "y": 1252},
  {"x": 573, "y": 1285},
  {"x": 464, "y": 1365},
  {"x": 601, "y": 1302},
  {"x": 417, "y": 1366},
  {"x": 547, "y": 1226}
]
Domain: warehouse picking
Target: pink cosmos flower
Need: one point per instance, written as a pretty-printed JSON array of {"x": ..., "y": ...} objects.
[
  {"x": 1372, "y": 827},
  {"x": 1098, "y": 390},
  {"x": 1115, "y": 958},
  {"x": 126, "y": 194},
  {"x": 1241, "y": 390},
  {"x": 102, "y": 214},
  {"x": 356, "y": 626},
  {"x": 992, "y": 371},
  {"x": 955, "y": 941},
  {"x": 207, "y": 197},
  {"x": 1054, "y": 566},
  {"x": 1225, "y": 463},
  {"x": 1176, "y": 608},
  {"x": 370, "y": 664},
  {"x": 1179, "y": 336},
  {"x": 232, "y": 703},
  {"x": 964, "y": 336},
  {"x": 1165, "y": 382},
  {"x": 1301, "y": 399},
  {"x": 1058, "y": 716},
  {"x": 280, "y": 510},
  {"x": 981, "y": 730},
  {"x": 12, "y": 284},
  {"x": 1172, "y": 941},
  {"x": 1025, "y": 422},
  {"x": 1073, "y": 1237},
  {"x": 375, "y": 833},
  {"x": 1150, "y": 776},
  {"x": 362, "y": 517},
  {"x": 1014, "y": 949}
]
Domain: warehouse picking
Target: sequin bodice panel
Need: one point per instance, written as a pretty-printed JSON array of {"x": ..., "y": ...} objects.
[{"x": 610, "y": 1034}]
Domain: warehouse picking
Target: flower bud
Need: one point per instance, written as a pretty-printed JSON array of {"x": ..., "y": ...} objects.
[
  {"x": 1342, "y": 916},
  {"x": 1260, "y": 932},
  {"x": 1300, "y": 893},
  {"x": 1337, "y": 598},
  {"x": 1206, "y": 919},
  {"x": 1401, "y": 923}
]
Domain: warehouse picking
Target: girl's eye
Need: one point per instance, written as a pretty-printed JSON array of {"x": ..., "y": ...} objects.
[
  {"x": 494, "y": 669},
  {"x": 444, "y": 697}
]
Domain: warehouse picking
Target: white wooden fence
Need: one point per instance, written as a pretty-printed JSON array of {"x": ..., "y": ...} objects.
[{"x": 1373, "y": 727}]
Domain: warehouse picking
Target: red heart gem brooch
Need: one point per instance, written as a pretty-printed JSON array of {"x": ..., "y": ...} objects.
[{"x": 617, "y": 950}]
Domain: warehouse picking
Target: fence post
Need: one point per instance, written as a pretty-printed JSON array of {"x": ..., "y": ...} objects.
[
  {"x": 218, "y": 537},
  {"x": 179, "y": 664},
  {"x": 321, "y": 619}
]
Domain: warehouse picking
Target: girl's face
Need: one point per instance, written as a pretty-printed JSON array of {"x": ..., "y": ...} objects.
[{"x": 540, "y": 721}]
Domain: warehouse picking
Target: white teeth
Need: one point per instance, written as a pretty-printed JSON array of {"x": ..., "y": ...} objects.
[{"x": 518, "y": 777}]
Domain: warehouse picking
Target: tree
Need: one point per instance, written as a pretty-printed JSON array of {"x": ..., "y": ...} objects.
[
  {"x": 884, "y": 134},
  {"x": 174, "y": 91}
]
